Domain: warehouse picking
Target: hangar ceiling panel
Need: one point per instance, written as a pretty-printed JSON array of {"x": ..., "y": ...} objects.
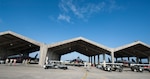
[
  {"x": 17, "y": 43},
  {"x": 80, "y": 45},
  {"x": 136, "y": 49}
]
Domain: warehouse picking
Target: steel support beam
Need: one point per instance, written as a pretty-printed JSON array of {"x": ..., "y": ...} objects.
[
  {"x": 91, "y": 60},
  {"x": 94, "y": 60},
  {"x": 98, "y": 59},
  {"x": 128, "y": 58},
  {"x": 137, "y": 60}
]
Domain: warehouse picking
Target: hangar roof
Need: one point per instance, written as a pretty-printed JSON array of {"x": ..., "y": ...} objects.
[
  {"x": 81, "y": 45},
  {"x": 18, "y": 43},
  {"x": 135, "y": 49}
]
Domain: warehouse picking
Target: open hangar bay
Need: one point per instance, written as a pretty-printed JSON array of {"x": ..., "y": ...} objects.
[{"x": 13, "y": 44}]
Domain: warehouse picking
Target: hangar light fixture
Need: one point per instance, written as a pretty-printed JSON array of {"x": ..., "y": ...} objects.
[
  {"x": 11, "y": 44},
  {"x": 30, "y": 45}
]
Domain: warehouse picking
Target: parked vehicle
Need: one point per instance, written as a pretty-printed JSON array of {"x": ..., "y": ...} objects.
[
  {"x": 99, "y": 66},
  {"x": 111, "y": 67},
  {"x": 2, "y": 62},
  {"x": 140, "y": 67},
  {"x": 55, "y": 65}
]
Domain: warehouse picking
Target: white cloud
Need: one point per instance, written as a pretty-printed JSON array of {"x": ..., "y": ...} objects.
[
  {"x": 112, "y": 5},
  {"x": 64, "y": 17},
  {"x": 81, "y": 9},
  {"x": 68, "y": 7},
  {"x": 74, "y": 9}
]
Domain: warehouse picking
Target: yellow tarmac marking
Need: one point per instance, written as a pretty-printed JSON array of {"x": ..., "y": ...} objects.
[{"x": 85, "y": 76}]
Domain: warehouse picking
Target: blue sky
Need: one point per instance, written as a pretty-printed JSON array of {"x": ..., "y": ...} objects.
[{"x": 112, "y": 23}]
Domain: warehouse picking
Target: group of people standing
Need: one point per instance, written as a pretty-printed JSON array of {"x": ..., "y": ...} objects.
[
  {"x": 26, "y": 61},
  {"x": 14, "y": 61},
  {"x": 10, "y": 61}
]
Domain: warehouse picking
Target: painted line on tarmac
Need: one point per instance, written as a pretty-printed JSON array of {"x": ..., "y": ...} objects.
[{"x": 85, "y": 76}]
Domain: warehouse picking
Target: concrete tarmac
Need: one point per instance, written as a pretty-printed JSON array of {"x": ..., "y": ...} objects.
[{"x": 37, "y": 72}]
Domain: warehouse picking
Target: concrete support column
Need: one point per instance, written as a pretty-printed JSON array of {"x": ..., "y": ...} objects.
[
  {"x": 149, "y": 59},
  {"x": 112, "y": 57},
  {"x": 98, "y": 59},
  {"x": 43, "y": 52},
  {"x": 104, "y": 60}
]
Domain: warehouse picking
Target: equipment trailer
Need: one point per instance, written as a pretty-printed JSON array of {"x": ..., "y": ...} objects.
[
  {"x": 140, "y": 67},
  {"x": 111, "y": 67}
]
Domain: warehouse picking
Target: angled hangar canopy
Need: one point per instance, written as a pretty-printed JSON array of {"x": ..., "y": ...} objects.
[
  {"x": 17, "y": 43},
  {"x": 135, "y": 49},
  {"x": 81, "y": 45}
]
